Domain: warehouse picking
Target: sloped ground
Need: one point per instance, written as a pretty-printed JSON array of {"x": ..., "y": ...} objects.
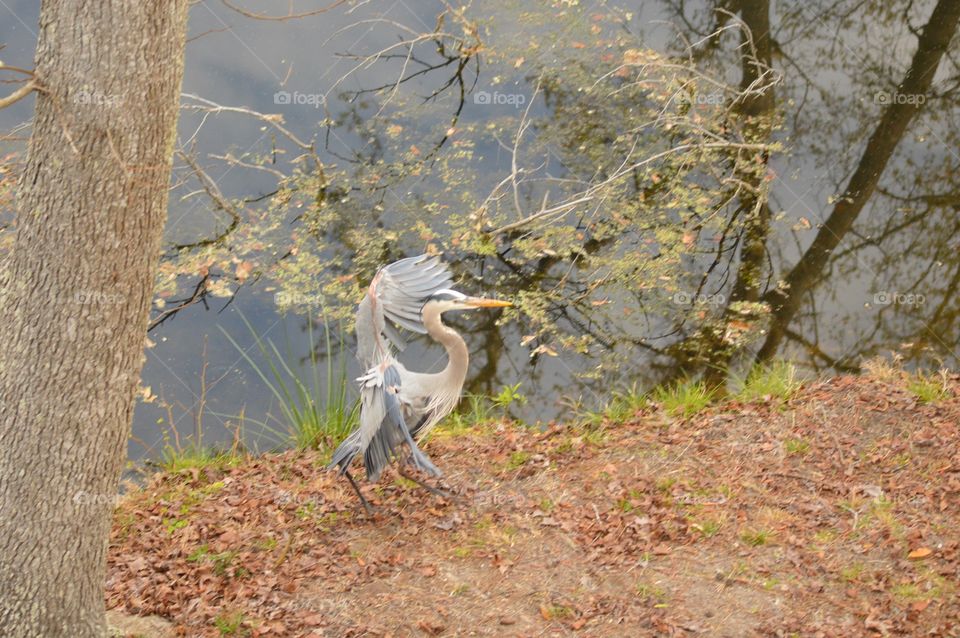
[{"x": 835, "y": 515}]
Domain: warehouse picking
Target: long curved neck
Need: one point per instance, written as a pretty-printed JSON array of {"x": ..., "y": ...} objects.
[{"x": 458, "y": 357}]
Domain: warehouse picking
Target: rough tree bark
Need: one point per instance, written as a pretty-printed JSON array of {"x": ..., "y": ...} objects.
[
  {"x": 74, "y": 296},
  {"x": 932, "y": 45}
]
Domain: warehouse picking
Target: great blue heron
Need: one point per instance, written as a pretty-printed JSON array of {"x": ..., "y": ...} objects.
[{"x": 398, "y": 406}]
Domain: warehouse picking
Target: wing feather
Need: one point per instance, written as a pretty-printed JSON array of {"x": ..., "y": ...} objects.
[
  {"x": 382, "y": 430},
  {"x": 403, "y": 286}
]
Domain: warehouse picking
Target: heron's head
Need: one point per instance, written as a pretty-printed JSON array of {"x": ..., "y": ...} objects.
[{"x": 446, "y": 300}]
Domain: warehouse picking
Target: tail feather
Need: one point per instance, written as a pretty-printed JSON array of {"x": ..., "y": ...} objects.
[
  {"x": 345, "y": 452},
  {"x": 382, "y": 449},
  {"x": 384, "y": 446}
]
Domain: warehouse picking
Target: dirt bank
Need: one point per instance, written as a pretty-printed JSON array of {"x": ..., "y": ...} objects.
[{"x": 835, "y": 515}]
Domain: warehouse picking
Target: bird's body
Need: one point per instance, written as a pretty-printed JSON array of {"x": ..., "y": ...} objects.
[{"x": 399, "y": 406}]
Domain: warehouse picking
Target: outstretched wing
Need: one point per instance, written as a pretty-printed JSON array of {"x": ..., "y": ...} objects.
[
  {"x": 397, "y": 293},
  {"x": 403, "y": 286},
  {"x": 382, "y": 430}
]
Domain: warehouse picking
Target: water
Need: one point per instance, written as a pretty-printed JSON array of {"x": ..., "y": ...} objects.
[{"x": 890, "y": 286}]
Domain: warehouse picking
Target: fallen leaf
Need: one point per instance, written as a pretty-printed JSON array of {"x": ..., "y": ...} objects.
[
  {"x": 431, "y": 627},
  {"x": 244, "y": 268},
  {"x": 920, "y": 605},
  {"x": 920, "y": 552}
]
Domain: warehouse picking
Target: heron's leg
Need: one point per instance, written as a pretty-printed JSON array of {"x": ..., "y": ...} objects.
[
  {"x": 356, "y": 488},
  {"x": 395, "y": 414},
  {"x": 436, "y": 491}
]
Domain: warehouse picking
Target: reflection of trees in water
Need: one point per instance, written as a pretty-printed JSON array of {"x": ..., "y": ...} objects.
[
  {"x": 597, "y": 241},
  {"x": 609, "y": 191},
  {"x": 906, "y": 188},
  {"x": 888, "y": 133}
]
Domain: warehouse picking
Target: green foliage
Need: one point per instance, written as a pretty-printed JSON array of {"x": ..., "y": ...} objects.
[
  {"x": 175, "y": 458},
  {"x": 509, "y": 395},
  {"x": 517, "y": 460},
  {"x": 708, "y": 527},
  {"x": 621, "y": 408},
  {"x": 655, "y": 593},
  {"x": 796, "y": 446},
  {"x": 317, "y": 414},
  {"x": 851, "y": 573},
  {"x": 776, "y": 382},
  {"x": 477, "y": 410},
  {"x": 756, "y": 537},
  {"x": 684, "y": 399},
  {"x": 230, "y": 624},
  {"x": 630, "y": 148},
  {"x": 221, "y": 562},
  {"x": 928, "y": 388}
]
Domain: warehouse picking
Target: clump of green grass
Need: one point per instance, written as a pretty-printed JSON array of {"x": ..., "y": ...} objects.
[
  {"x": 931, "y": 586},
  {"x": 626, "y": 504},
  {"x": 221, "y": 562},
  {"x": 684, "y": 399},
  {"x": 652, "y": 592},
  {"x": 172, "y": 525},
  {"x": 175, "y": 458},
  {"x": 193, "y": 452},
  {"x": 851, "y": 573},
  {"x": 826, "y": 536},
  {"x": 230, "y": 624},
  {"x": 756, "y": 537},
  {"x": 665, "y": 485},
  {"x": 474, "y": 410},
  {"x": 477, "y": 410},
  {"x": 796, "y": 446},
  {"x": 517, "y": 460},
  {"x": 708, "y": 527},
  {"x": 623, "y": 406},
  {"x": 317, "y": 413},
  {"x": 776, "y": 382},
  {"x": 928, "y": 388}
]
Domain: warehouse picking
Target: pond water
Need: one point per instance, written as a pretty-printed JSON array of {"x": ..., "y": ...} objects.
[{"x": 889, "y": 288}]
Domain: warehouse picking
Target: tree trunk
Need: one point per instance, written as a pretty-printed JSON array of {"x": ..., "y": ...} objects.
[
  {"x": 931, "y": 47},
  {"x": 74, "y": 297}
]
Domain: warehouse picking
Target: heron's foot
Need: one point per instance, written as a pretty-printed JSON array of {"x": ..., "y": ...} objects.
[
  {"x": 368, "y": 508},
  {"x": 420, "y": 461},
  {"x": 436, "y": 491}
]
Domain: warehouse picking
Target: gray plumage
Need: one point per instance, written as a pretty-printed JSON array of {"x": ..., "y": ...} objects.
[
  {"x": 398, "y": 407},
  {"x": 397, "y": 293}
]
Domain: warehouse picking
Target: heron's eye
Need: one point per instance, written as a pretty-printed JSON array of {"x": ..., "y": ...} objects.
[{"x": 447, "y": 295}]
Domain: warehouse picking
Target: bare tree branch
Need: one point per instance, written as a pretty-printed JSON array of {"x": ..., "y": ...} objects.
[{"x": 289, "y": 16}]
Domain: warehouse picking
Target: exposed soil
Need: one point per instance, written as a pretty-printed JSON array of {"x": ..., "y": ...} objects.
[{"x": 833, "y": 515}]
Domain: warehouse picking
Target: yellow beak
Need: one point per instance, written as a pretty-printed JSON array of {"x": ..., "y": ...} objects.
[{"x": 480, "y": 302}]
